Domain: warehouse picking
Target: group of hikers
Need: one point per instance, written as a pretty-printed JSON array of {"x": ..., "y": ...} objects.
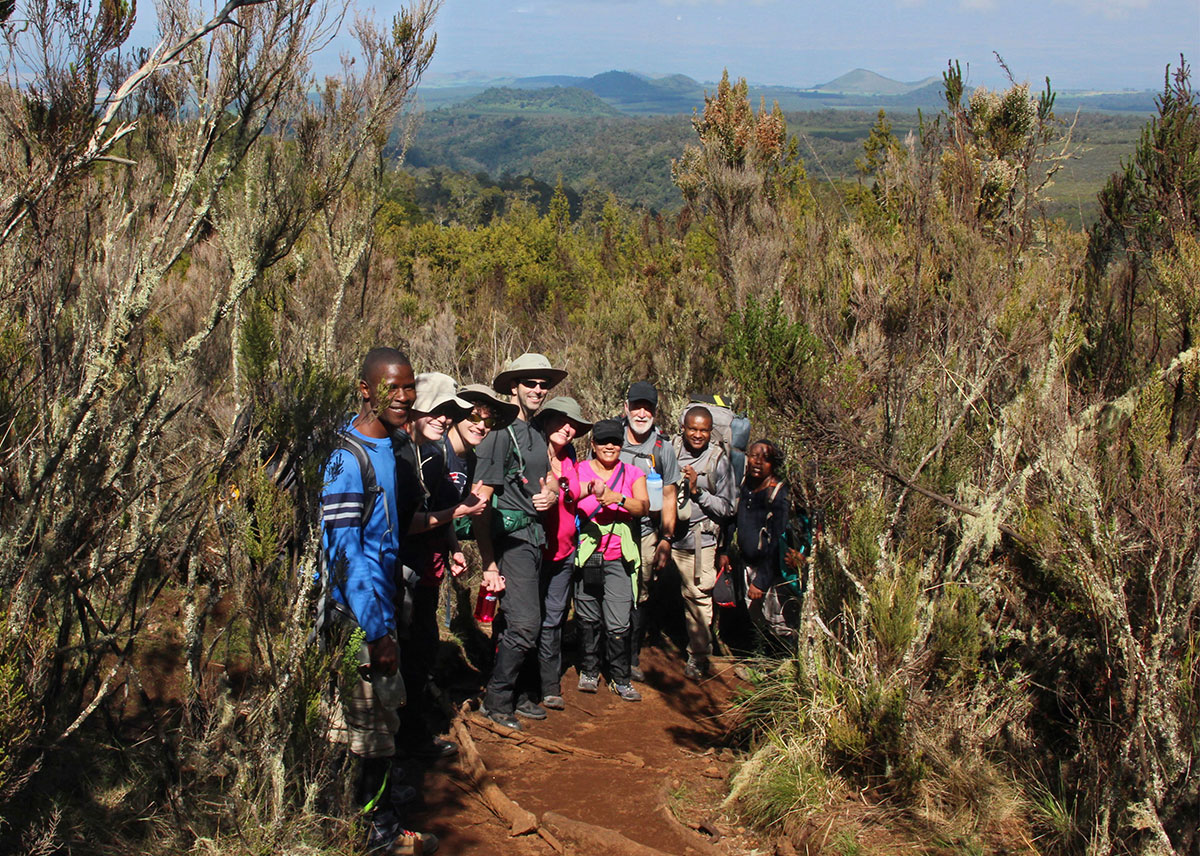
[{"x": 426, "y": 464}]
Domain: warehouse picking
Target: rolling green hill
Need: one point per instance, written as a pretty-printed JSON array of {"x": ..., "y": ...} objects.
[{"x": 631, "y": 155}]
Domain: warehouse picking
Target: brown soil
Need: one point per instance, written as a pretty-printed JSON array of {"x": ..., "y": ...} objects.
[{"x": 677, "y": 730}]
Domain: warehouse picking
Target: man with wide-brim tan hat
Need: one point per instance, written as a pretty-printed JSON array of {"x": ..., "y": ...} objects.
[
  {"x": 513, "y": 465},
  {"x": 533, "y": 366}
]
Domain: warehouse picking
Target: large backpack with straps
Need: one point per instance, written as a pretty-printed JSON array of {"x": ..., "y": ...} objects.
[
  {"x": 728, "y": 428},
  {"x": 371, "y": 494},
  {"x": 798, "y": 536}
]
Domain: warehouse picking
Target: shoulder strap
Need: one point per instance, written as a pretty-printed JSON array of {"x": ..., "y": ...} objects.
[
  {"x": 516, "y": 448},
  {"x": 617, "y": 475},
  {"x": 371, "y": 488}
]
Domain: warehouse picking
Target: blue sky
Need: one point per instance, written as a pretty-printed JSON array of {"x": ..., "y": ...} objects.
[{"x": 1078, "y": 43}]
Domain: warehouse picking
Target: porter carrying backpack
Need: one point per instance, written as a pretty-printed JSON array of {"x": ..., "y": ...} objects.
[{"x": 729, "y": 429}]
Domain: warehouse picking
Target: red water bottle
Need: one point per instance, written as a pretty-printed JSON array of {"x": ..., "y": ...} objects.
[{"x": 485, "y": 605}]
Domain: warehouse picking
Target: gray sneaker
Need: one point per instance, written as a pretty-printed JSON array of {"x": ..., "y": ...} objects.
[
  {"x": 625, "y": 691},
  {"x": 695, "y": 669},
  {"x": 589, "y": 683}
]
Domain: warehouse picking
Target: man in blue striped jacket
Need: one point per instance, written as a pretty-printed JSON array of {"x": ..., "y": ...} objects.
[{"x": 365, "y": 513}]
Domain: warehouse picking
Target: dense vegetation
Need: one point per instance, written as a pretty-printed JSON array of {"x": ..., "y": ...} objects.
[
  {"x": 998, "y": 415},
  {"x": 629, "y": 156}
]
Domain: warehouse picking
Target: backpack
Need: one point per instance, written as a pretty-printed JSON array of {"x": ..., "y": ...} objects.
[
  {"x": 730, "y": 429},
  {"x": 797, "y": 535},
  {"x": 326, "y": 605}
]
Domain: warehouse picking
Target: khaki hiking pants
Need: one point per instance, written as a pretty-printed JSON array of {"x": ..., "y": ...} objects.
[{"x": 697, "y": 576}]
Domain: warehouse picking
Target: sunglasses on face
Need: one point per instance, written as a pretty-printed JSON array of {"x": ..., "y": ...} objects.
[
  {"x": 602, "y": 443},
  {"x": 488, "y": 421},
  {"x": 535, "y": 384}
]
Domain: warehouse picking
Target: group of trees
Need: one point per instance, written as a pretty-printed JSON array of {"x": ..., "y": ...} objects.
[{"x": 998, "y": 415}]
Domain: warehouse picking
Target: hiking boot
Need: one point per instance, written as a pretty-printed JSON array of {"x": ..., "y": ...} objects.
[
  {"x": 435, "y": 749},
  {"x": 386, "y": 837},
  {"x": 589, "y": 683},
  {"x": 530, "y": 709},
  {"x": 400, "y": 793},
  {"x": 695, "y": 669},
  {"x": 636, "y": 674},
  {"x": 508, "y": 720},
  {"x": 554, "y": 702},
  {"x": 407, "y": 843},
  {"x": 625, "y": 691}
]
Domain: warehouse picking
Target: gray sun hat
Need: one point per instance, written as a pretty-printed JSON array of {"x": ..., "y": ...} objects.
[
  {"x": 435, "y": 389},
  {"x": 480, "y": 393},
  {"x": 527, "y": 365},
  {"x": 566, "y": 406}
]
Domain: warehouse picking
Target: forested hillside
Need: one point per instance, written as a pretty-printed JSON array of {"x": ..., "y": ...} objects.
[
  {"x": 500, "y": 134},
  {"x": 997, "y": 414}
]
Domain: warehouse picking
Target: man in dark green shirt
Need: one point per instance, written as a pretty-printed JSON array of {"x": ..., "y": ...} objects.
[{"x": 513, "y": 465}]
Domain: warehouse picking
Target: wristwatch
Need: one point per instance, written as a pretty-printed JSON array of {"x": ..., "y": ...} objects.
[{"x": 621, "y": 501}]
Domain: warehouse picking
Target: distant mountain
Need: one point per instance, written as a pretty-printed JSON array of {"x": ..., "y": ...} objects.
[
  {"x": 677, "y": 94},
  {"x": 553, "y": 101},
  {"x": 864, "y": 82},
  {"x": 545, "y": 80}
]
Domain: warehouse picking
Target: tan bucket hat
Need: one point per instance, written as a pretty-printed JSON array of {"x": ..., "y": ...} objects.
[
  {"x": 527, "y": 365},
  {"x": 435, "y": 389},
  {"x": 566, "y": 406}
]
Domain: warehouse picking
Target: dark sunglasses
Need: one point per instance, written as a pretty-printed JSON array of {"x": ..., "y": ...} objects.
[
  {"x": 606, "y": 442},
  {"x": 535, "y": 384},
  {"x": 488, "y": 421}
]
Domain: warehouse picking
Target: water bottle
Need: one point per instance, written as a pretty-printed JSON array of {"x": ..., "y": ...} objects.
[
  {"x": 389, "y": 689},
  {"x": 654, "y": 487},
  {"x": 485, "y": 605}
]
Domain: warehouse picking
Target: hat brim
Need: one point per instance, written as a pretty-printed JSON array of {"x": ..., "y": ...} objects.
[
  {"x": 505, "y": 410},
  {"x": 581, "y": 427},
  {"x": 505, "y": 381}
]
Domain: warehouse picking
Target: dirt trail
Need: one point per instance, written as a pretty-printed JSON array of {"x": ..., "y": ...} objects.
[{"x": 675, "y": 730}]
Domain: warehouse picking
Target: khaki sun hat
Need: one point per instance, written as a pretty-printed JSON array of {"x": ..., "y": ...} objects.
[
  {"x": 527, "y": 365},
  {"x": 566, "y": 406},
  {"x": 435, "y": 389},
  {"x": 480, "y": 393}
]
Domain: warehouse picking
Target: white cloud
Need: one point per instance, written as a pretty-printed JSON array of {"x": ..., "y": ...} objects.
[{"x": 1108, "y": 8}]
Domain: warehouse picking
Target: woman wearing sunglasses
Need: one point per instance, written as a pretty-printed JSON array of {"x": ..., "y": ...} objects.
[
  {"x": 609, "y": 495},
  {"x": 561, "y": 421},
  {"x": 431, "y": 548}
]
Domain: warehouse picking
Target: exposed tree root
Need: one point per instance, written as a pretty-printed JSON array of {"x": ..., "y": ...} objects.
[
  {"x": 595, "y": 839},
  {"x": 553, "y": 746},
  {"x": 519, "y": 820}
]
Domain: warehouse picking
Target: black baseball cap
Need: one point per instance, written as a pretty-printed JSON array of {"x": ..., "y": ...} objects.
[
  {"x": 643, "y": 390},
  {"x": 608, "y": 431}
]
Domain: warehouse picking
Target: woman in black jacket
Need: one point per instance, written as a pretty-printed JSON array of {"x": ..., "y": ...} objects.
[{"x": 762, "y": 516}]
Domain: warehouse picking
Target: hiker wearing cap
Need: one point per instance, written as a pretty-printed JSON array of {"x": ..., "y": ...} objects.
[
  {"x": 646, "y": 448},
  {"x": 363, "y": 518},
  {"x": 610, "y": 495},
  {"x": 515, "y": 468},
  {"x": 429, "y": 551},
  {"x": 561, "y": 421},
  {"x": 707, "y": 499}
]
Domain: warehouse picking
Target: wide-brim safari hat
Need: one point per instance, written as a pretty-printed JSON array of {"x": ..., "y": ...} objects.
[
  {"x": 566, "y": 406},
  {"x": 527, "y": 365},
  {"x": 479, "y": 393},
  {"x": 435, "y": 390}
]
